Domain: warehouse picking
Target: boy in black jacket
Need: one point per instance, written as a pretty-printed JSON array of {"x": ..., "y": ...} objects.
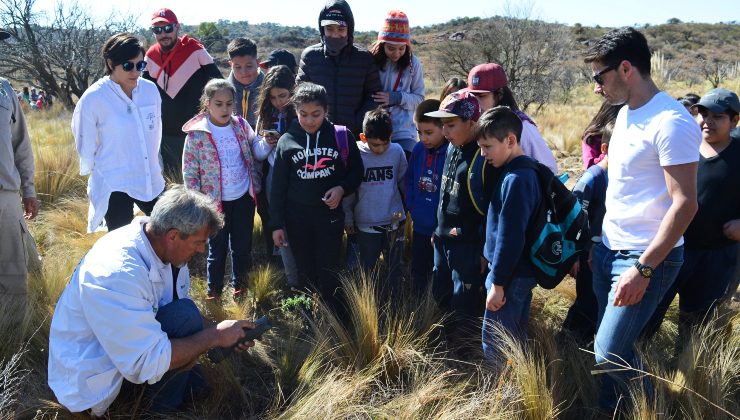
[
  {"x": 310, "y": 179},
  {"x": 457, "y": 238}
]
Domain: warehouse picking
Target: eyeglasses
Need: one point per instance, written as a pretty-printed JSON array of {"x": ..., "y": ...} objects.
[
  {"x": 166, "y": 28},
  {"x": 130, "y": 65},
  {"x": 597, "y": 77}
]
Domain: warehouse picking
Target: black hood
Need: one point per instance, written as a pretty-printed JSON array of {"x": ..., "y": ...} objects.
[{"x": 343, "y": 6}]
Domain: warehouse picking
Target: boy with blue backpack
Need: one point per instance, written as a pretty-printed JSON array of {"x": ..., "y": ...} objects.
[{"x": 511, "y": 277}]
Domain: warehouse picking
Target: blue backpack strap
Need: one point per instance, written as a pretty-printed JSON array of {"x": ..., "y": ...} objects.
[{"x": 340, "y": 134}]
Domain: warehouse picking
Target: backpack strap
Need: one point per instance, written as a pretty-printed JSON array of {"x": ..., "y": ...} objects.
[
  {"x": 476, "y": 183},
  {"x": 340, "y": 134}
]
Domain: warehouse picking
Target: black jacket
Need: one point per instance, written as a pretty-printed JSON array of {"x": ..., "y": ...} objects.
[
  {"x": 308, "y": 165},
  {"x": 350, "y": 78}
]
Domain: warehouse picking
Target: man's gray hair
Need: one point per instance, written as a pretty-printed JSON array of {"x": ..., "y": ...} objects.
[{"x": 185, "y": 210}]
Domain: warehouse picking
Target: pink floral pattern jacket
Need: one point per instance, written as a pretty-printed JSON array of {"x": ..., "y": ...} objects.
[{"x": 201, "y": 166}]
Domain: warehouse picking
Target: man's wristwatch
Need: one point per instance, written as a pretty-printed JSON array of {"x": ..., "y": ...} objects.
[{"x": 644, "y": 270}]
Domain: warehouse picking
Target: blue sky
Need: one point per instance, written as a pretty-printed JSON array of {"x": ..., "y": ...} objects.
[{"x": 369, "y": 14}]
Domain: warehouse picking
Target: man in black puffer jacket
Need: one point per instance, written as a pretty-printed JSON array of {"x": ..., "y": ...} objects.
[{"x": 348, "y": 73}]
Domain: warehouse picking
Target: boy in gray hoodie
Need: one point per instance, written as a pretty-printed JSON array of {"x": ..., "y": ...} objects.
[{"x": 375, "y": 212}]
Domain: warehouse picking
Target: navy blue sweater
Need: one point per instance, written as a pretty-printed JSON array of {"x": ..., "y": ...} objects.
[
  {"x": 423, "y": 180},
  {"x": 514, "y": 200}
]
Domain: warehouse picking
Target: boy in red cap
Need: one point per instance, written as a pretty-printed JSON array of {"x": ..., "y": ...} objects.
[
  {"x": 180, "y": 67},
  {"x": 488, "y": 82}
]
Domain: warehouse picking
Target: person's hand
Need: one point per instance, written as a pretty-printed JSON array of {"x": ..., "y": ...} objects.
[
  {"x": 30, "y": 207},
  {"x": 575, "y": 269},
  {"x": 270, "y": 137},
  {"x": 278, "y": 237},
  {"x": 350, "y": 229},
  {"x": 230, "y": 331},
  {"x": 453, "y": 232},
  {"x": 333, "y": 197},
  {"x": 495, "y": 299},
  {"x": 731, "y": 229},
  {"x": 631, "y": 288},
  {"x": 382, "y": 98}
]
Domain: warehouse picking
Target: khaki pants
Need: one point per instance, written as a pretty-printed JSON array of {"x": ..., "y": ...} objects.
[{"x": 13, "y": 252}]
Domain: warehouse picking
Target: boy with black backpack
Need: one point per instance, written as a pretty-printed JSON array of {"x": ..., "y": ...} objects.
[{"x": 511, "y": 277}]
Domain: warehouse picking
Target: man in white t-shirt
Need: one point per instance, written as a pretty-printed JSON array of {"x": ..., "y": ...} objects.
[{"x": 650, "y": 200}]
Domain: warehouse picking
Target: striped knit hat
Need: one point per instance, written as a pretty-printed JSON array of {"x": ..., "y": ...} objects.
[{"x": 395, "y": 29}]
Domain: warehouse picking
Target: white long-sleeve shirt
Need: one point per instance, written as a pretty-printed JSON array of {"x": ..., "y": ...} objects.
[
  {"x": 104, "y": 327},
  {"x": 118, "y": 141}
]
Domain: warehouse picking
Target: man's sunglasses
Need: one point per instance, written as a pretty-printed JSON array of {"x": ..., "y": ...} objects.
[
  {"x": 166, "y": 28},
  {"x": 130, "y": 65},
  {"x": 597, "y": 77}
]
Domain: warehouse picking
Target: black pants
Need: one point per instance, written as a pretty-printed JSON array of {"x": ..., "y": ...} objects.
[
  {"x": 581, "y": 318},
  {"x": 236, "y": 236},
  {"x": 315, "y": 236},
  {"x": 171, "y": 152},
  {"x": 121, "y": 209},
  {"x": 263, "y": 209}
]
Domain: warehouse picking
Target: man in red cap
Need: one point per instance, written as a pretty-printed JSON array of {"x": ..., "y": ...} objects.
[{"x": 181, "y": 67}]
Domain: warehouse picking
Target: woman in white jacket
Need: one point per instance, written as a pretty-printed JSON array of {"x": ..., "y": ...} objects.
[
  {"x": 117, "y": 127},
  {"x": 402, "y": 78}
]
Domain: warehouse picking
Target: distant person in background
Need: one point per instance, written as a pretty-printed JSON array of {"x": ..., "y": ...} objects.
[
  {"x": 280, "y": 57},
  {"x": 347, "y": 72},
  {"x": 488, "y": 82},
  {"x": 402, "y": 77},
  {"x": 689, "y": 100},
  {"x": 453, "y": 85},
  {"x": 117, "y": 127},
  {"x": 180, "y": 67},
  {"x": 18, "y": 203},
  {"x": 26, "y": 95},
  {"x": 591, "y": 138}
]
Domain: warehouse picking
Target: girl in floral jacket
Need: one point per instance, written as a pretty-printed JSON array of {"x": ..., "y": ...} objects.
[{"x": 219, "y": 160}]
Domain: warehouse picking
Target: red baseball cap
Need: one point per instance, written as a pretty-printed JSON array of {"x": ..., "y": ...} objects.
[
  {"x": 486, "y": 78},
  {"x": 164, "y": 15}
]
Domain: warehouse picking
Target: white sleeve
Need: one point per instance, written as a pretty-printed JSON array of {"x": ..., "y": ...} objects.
[
  {"x": 677, "y": 141},
  {"x": 85, "y": 131},
  {"x": 124, "y": 323},
  {"x": 261, "y": 148},
  {"x": 535, "y": 146}
]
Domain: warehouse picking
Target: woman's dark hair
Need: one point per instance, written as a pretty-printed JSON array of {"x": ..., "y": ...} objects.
[
  {"x": 381, "y": 59},
  {"x": 505, "y": 97},
  {"x": 307, "y": 92},
  {"x": 452, "y": 85},
  {"x": 277, "y": 77},
  {"x": 119, "y": 49},
  {"x": 606, "y": 114}
]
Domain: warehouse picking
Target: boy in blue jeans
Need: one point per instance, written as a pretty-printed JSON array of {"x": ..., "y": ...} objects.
[
  {"x": 511, "y": 277},
  {"x": 458, "y": 236},
  {"x": 423, "y": 180},
  {"x": 375, "y": 211},
  {"x": 591, "y": 193}
]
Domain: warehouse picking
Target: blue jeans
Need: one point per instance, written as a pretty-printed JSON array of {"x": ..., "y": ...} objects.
[
  {"x": 619, "y": 327},
  {"x": 513, "y": 316},
  {"x": 179, "y": 318},
  {"x": 458, "y": 264},
  {"x": 237, "y": 235}
]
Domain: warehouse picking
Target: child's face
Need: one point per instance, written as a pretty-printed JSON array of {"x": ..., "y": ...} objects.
[
  {"x": 715, "y": 127},
  {"x": 430, "y": 134},
  {"x": 310, "y": 116},
  {"x": 394, "y": 52},
  {"x": 244, "y": 68},
  {"x": 457, "y": 131},
  {"x": 378, "y": 146},
  {"x": 486, "y": 99},
  {"x": 494, "y": 151},
  {"x": 279, "y": 97},
  {"x": 220, "y": 107}
]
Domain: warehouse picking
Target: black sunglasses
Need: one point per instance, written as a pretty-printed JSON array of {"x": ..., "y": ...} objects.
[
  {"x": 166, "y": 28},
  {"x": 597, "y": 77},
  {"x": 130, "y": 65}
]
